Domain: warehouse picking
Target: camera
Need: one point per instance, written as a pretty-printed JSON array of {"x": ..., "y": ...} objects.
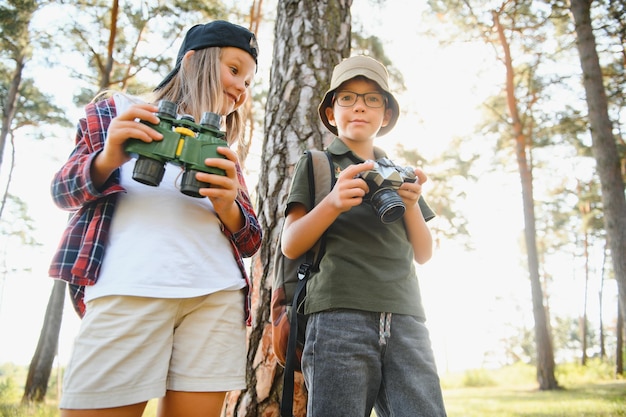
[
  {"x": 383, "y": 182},
  {"x": 184, "y": 143}
]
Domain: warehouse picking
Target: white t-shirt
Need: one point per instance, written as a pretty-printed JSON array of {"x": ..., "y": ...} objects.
[{"x": 163, "y": 243}]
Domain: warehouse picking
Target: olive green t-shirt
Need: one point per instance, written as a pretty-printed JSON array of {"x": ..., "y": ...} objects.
[{"x": 367, "y": 265}]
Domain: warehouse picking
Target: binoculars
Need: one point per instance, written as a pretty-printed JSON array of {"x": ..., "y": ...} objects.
[{"x": 184, "y": 143}]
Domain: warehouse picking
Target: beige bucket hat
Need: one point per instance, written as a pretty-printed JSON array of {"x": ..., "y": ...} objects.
[{"x": 350, "y": 68}]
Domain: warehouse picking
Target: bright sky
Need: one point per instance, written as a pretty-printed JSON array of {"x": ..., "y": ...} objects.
[{"x": 471, "y": 297}]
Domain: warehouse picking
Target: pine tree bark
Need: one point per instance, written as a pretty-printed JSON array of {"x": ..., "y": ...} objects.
[
  {"x": 309, "y": 39},
  {"x": 604, "y": 145}
]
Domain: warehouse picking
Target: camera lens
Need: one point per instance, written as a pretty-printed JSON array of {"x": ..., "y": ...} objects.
[{"x": 388, "y": 205}]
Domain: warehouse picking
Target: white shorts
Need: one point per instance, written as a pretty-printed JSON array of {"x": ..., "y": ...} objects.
[{"x": 132, "y": 349}]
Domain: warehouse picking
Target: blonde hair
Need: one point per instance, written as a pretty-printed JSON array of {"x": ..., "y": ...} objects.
[{"x": 197, "y": 88}]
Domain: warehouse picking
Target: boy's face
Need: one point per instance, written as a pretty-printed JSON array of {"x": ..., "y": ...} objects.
[{"x": 359, "y": 120}]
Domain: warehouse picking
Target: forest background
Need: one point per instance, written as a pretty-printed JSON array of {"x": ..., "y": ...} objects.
[{"x": 454, "y": 124}]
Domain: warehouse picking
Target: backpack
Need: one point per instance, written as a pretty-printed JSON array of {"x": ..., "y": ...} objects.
[{"x": 289, "y": 285}]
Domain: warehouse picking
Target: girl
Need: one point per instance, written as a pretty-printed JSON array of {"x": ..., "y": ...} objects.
[{"x": 156, "y": 275}]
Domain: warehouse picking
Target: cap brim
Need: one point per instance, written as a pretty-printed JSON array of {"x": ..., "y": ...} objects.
[{"x": 168, "y": 78}]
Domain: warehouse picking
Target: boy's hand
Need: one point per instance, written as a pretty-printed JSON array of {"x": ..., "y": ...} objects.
[
  {"x": 410, "y": 192},
  {"x": 349, "y": 190}
]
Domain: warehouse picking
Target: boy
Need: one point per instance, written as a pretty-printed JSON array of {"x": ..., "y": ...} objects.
[{"x": 355, "y": 358}]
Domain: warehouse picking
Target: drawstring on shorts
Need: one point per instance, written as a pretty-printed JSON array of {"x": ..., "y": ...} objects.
[{"x": 384, "y": 331}]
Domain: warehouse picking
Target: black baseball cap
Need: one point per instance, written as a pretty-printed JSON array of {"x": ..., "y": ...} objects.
[{"x": 217, "y": 33}]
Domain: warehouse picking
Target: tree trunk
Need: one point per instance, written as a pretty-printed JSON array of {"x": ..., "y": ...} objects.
[
  {"x": 310, "y": 38},
  {"x": 543, "y": 339},
  {"x": 244, "y": 142},
  {"x": 601, "y": 306},
  {"x": 8, "y": 111},
  {"x": 584, "y": 321},
  {"x": 16, "y": 45},
  {"x": 41, "y": 364},
  {"x": 603, "y": 144},
  {"x": 105, "y": 81},
  {"x": 619, "y": 344}
]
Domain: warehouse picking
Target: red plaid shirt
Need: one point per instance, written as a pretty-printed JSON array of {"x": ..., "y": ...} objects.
[{"x": 81, "y": 250}]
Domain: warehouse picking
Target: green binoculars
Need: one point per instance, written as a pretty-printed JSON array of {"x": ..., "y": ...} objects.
[{"x": 184, "y": 143}]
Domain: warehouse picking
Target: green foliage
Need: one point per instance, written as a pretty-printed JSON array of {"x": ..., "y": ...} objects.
[
  {"x": 12, "y": 378},
  {"x": 478, "y": 378},
  {"x": 524, "y": 375},
  {"x": 571, "y": 374},
  {"x": 9, "y": 391},
  {"x": 113, "y": 48},
  {"x": 373, "y": 46},
  {"x": 17, "y": 223},
  {"x": 519, "y": 374},
  {"x": 11, "y": 410},
  {"x": 14, "y": 18},
  {"x": 450, "y": 173},
  {"x": 35, "y": 109},
  {"x": 32, "y": 107}
]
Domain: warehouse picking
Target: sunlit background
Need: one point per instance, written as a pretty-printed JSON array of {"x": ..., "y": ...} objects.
[{"x": 474, "y": 300}]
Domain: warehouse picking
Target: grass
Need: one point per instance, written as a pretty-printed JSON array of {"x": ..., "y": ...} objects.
[
  {"x": 590, "y": 391},
  {"x": 590, "y": 400}
]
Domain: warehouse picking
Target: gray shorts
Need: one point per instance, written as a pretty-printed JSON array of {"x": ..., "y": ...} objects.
[
  {"x": 132, "y": 349},
  {"x": 354, "y": 361}
]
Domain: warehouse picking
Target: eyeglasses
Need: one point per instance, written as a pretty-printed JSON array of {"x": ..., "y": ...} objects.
[{"x": 349, "y": 98}]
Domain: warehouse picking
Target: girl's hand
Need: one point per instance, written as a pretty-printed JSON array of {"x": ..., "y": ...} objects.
[
  {"x": 123, "y": 127},
  {"x": 127, "y": 125},
  {"x": 224, "y": 188},
  {"x": 410, "y": 192}
]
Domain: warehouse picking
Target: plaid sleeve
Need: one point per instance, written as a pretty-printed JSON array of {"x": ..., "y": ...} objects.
[
  {"x": 72, "y": 187},
  {"x": 80, "y": 251},
  {"x": 246, "y": 241}
]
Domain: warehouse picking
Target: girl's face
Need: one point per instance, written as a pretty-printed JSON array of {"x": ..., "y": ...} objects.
[
  {"x": 236, "y": 73},
  {"x": 358, "y": 120}
]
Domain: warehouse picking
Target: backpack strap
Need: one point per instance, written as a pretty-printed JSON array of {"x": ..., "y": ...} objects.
[
  {"x": 321, "y": 181},
  {"x": 321, "y": 171}
]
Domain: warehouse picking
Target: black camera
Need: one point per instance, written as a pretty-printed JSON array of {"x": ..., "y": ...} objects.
[
  {"x": 184, "y": 143},
  {"x": 383, "y": 182}
]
